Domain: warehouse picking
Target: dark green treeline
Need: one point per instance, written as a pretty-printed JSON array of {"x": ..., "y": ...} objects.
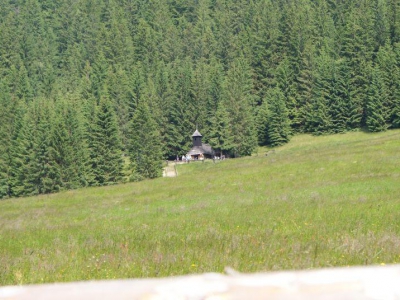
[{"x": 94, "y": 92}]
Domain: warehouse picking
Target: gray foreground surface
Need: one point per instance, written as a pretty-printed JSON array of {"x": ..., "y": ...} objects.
[{"x": 374, "y": 282}]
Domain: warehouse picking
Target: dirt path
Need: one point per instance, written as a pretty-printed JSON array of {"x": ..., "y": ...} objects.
[{"x": 169, "y": 170}]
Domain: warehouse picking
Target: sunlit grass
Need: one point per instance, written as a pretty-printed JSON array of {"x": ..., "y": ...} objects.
[{"x": 316, "y": 202}]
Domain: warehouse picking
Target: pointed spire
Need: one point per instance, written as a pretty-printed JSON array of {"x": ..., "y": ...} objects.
[{"x": 196, "y": 133}]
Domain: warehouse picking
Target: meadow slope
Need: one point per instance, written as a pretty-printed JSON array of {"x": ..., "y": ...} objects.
[{"x": 315, "y": 202}]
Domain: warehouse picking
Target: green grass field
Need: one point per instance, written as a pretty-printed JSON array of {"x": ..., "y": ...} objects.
[{"x": 316, "y": 202}]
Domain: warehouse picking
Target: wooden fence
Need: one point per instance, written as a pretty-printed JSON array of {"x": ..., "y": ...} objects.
[{"x": 373, "y": 282}]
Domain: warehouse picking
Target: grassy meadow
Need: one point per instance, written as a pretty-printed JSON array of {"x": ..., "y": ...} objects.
[{"x": 315, "y": 202}]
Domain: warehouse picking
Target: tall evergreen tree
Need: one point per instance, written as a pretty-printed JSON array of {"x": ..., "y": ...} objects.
[
  {"x": 388, "y": 65},
  {"x": 239, "y": 101},
  {"x": 22, "y": 151},
  {"x": 122, "y": 95},
  {"x": 375, "y": 114},
  {"x": 340, "y": 104},
  {"x": 7, "y": 114},
  {"x": 204, "y": 39},
  {"x": 3, "y": 178},
  {"x": 145, "y": 43},
  {"x": 10, "y": 48},
  {"x": 70, "y": 144},
  {"x": 266, "y": 47},
  {"x": 201, "y": 94},
  {"x": 35, "y": 168},
  {"x": 395, "y": 113},
  {"x": 4, "y": 142},
  {"x": 159, "y": 96},
  {"x": 381, "y": 25},
  {"x": 319, "y": 119},
  {"x": 99, "y": 75},
  {"x": 145, "y": 146},
  {"x": 13, "y": 149},
  {"x": 262, "y": 123},
  {"x": 358, "y": 49},
  {"x": 216, "y": 79},
  {"x": 394, "y": 20},
  {"x": 18, "y": 82},
  {"x": 221, "y": 135},
  {"x": 118, "y": 44},
  {"x": 286, "y": 83},
  {"x": 38, "y": 47},
  {"x": 278, "y": 128},
  {"x": 45, "y": 177},
  {"x": 299, "y": 103},
  {"x": 104, "y": 145},
  {"x": 182, "y": 111}
]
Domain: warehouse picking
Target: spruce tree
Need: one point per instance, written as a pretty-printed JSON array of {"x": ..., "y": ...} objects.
[
  {"x": 22, "y": 152},
  {"x": 204, "y": 39},
  {"x": 224, "y": 33},
  {"x": 45, "y": 177},
  {"x": 70, "y": 144},
  {"x": 201, "y": 94},
  {"x": 221, "y": 135},
  {"x": 262, "y": 123},
  {"x": 35, "y": 168},
  {"x": 118, "y": 44},
  {"x": 3, "y": 178},
  {"x": 216, "y": 77},
  {"x": 298, "y": 104},
  {"x": 340, "y": 101},
  {"x": 6, "y": 125},
  {"x": 266, "y": 53},
  {"x": 39, "y": 47},
  {"x": 122, "y": 95},
  {"x": 278, "y": 122},
  {"x": 393, "y": 7},
  {"x": 3, "y": 159},
  {"x": 396, "y": 110},
  {"x": 181, "y": 112},
  {"x": 14, "y": 149},
  {"x": 239, "y": 101},
  {"x": 375, "y": 114},
  {"x": 137, "y": 82},
  {"x": 381, "y": 26},
  {"x": 158, "y": 94},
  {"x": 10, "y": 37},
  {"x": 104, "y": 144},
  {"x": 286, "y": 82},
  {"x": 145, "y": 146},
  {"x": 389, "y": 67},
  {"x": 319, "y": 120},
  {"x": 18, "y": 81},
  {"x": 99, "y": 75},
  {"x": 395, "y": 113},
  {"x": 358, "y": 49}
]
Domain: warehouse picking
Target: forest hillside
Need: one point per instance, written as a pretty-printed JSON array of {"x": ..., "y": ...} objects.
[{"x": 95, "y": 92}]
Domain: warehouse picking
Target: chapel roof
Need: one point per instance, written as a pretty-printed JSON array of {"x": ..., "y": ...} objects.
[
  {"x": 196, "y": 133},
  {"x": 203, "y": 149}
]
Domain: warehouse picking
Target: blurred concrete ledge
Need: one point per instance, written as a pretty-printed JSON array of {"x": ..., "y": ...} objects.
[{"x": 372, "y": 282}]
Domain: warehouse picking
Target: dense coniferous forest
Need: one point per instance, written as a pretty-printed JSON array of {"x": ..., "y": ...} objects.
[{"x": 95, "y": 92}]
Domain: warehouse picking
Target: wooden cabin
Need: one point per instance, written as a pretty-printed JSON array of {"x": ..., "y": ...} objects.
[{"x": 199, "y": 150}]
